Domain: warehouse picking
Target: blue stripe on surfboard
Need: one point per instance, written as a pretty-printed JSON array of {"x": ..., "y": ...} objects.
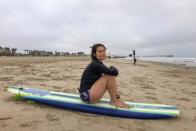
[
  {"x": 100, "y": 110},
  {"x": 45, "y": 92}
]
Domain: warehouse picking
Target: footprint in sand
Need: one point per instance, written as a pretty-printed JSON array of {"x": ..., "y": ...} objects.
[
  {"x": 140, "y": 126},
  {"x": 194, "y": 94},
  {"x": 6, "y": 78},
  {"x": 51, "y": 117},
  {"x": 31, "y": 124},
  {"x": 149, "y": 93},
  {"x": 173, "y": 89},
  {"x": 3, "y": 125},
  {"x": 151, "y": 97},
  {"x": 46, "y": 75},
  {"x": 56, "y": 87},
  {"x": 26, "y": 124},
  {"x": 54, "y": 72},
  {"x": 147, "y": 87},
  {"x": 27, "y": 109},
  {"x": 5, "y": 118},
  {"x": 67, "y": 77},
  {"x": 194, "y": 119},
  {"x": 194, "y": 108},
  {"x": 139, "y": 79},
  {"x": 123, "y": 127},
  {"x": 184, "y": 99}
]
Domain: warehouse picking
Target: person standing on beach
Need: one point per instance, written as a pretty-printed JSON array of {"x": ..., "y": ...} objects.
[
  {"x": 98, "y": 78},
  {"x": 134, "y": 59}
]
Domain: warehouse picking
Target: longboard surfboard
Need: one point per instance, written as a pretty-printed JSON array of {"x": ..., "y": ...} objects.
[{"x": 73, "y": 102}]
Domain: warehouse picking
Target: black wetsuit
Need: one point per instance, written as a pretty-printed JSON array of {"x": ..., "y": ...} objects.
[{"x": 93, "y": 72}]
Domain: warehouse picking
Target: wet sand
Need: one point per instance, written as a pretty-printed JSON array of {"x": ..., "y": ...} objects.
[{"x": 145, "y": 82}]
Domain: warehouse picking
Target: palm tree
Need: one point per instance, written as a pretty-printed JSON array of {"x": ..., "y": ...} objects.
[
  {"x": 28, "y": 52},
  {"x": 13, "y": 51},
  {"x": 25, "y": 50}
]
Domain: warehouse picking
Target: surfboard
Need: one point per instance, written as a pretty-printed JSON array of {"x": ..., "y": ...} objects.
[{"x": 73, "y": 102}]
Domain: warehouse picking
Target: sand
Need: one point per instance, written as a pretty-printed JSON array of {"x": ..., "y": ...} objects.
[{"x": 145, "y": 82}]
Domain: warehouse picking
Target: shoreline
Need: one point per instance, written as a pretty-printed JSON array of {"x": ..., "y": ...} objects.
[
  {"x": 183, "y": 66},
  {"x": 190, "y": 62}
]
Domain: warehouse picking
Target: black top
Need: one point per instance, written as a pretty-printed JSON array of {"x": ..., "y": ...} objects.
[{"x": 93, "y": 72}]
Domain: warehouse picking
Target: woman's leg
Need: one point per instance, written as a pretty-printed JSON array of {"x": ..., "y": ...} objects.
[{"x": 105, "y": 82}]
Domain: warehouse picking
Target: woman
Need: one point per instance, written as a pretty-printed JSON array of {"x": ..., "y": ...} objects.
[{"x": 97, "y": 78}]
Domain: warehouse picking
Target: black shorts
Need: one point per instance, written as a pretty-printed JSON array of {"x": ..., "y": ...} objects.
[{"x": 84, "y": 96}]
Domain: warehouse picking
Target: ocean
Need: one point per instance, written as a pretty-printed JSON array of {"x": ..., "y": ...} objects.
[{"x": 171, "y": 60}]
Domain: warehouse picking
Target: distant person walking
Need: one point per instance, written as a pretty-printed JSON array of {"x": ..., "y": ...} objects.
[{"x": 134, "y": 59}]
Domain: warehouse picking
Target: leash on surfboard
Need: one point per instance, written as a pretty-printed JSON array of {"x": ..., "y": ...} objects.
[{"x": 20, "y": 89}]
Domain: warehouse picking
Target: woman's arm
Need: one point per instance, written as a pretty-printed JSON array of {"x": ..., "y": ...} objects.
[{"x": 101, "y": 68}]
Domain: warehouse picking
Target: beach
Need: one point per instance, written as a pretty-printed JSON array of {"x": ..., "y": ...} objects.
[{"x": 146, "y": 82}]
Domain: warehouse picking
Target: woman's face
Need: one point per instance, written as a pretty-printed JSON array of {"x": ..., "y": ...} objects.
[{"x": 100, "y": 53}]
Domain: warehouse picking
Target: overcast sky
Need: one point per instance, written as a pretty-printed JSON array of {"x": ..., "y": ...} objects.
[{"x": 151, "y": 27}]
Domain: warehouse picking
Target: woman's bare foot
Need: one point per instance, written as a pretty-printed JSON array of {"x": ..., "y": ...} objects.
[{"x": 119, "y": 103}]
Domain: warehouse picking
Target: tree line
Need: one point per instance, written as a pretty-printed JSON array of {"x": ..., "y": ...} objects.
[{"x": 6, "y": 51}]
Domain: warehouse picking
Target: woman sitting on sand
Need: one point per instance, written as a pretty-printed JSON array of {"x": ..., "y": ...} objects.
[{"x": 97, "y": 78}]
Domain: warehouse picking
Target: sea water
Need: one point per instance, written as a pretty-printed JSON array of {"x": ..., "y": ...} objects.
[{"x": 171, "y": 60}]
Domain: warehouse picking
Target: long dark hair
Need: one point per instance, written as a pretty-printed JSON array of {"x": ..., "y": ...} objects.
[{"x": 94, "y": 49}]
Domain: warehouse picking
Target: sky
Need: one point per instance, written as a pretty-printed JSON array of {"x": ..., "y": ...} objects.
[{"x": 150, "y": 27}]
